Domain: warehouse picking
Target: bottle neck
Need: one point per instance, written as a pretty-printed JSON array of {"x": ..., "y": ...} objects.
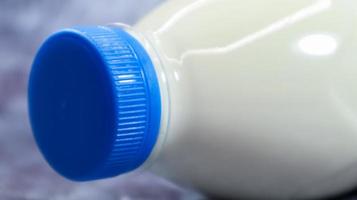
[{"x": 162, "y": 73}]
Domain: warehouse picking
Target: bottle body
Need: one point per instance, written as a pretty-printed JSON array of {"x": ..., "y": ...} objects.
[
  {"x": 241, "y": 99},
  {"x": 261, "y": 95}
]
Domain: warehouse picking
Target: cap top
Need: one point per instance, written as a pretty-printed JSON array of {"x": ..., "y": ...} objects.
[{"x": 94, "y": 102}]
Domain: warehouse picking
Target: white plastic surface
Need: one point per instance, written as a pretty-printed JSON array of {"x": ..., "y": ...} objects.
[{"x": 262, "y": 95}]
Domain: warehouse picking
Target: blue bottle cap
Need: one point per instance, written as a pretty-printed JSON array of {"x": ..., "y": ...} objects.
[{"x": 94, "y": 102}]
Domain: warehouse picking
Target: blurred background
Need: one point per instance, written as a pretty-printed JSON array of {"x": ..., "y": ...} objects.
[{"x": 24, "y": 24}]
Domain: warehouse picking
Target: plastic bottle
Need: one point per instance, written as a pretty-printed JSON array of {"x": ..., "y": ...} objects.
[{"x": 252, "y": 99}]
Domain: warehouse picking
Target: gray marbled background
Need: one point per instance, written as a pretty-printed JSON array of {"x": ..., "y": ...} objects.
[{"x": 23, "y": 172}]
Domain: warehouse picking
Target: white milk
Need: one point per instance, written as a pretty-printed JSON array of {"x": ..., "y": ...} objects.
[
  {"x": 262, "y": 95},
  {"x": 259, "y": 98}
]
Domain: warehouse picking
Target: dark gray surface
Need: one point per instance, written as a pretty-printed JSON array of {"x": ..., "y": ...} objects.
[{"x": 23, "y": 172}]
